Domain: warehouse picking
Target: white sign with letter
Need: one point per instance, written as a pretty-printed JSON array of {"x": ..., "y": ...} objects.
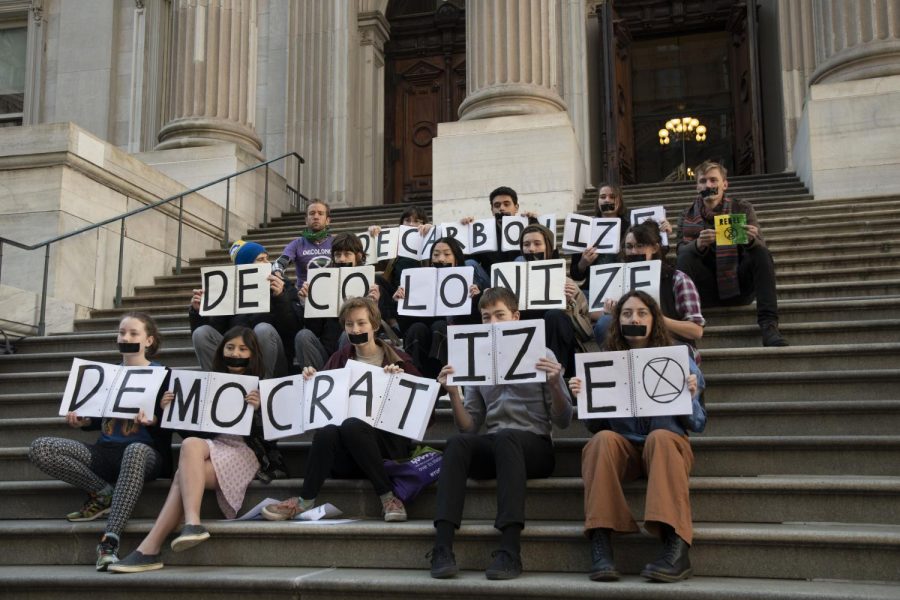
[
  {"x": 498, "y": 353},
  {"x": 330, "y": 287},
  {"x": 581, "y": 231},
  {"x": 210, "y": 402},
  {"x": 614, "y": 280},
  {"x": 433, "y": 292},
  {"x": 538, "y": 284},
  {"x": 101, "y": 390},
  {"x": 654, "y": 213},
  {"x": 235, "y": 289}
]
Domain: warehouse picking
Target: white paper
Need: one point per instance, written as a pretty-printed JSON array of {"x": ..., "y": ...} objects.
[
  {"x": 365, "y": 390},
  {"x": 457, "y": 231},
  {"x": 323, "y": 511},
  {"x": 605, "y": 385},
  {"x": 386, "y": 244},
  {"x": 549, "y": 221},
  {"x": 606, "y": 235},
  {"x": 483, "y": 236},
  {"x": 355, "y": 282},
  {"x": 546, "y": 284},
  {"x": 87, "y": 397},
  {"x": 368, "y": 247},
  {"x": 660, "y": 381},
  {"x": 96, "y": 389},
  {"x": 452, "y": 291},
  {"x": 430, "y": 238},
  {"x": 419, "y": 292},
  {"x": 514, "y": 277},
  {"x": 136, "y": 389},
  {"x": 410, "y": 242},
  {"x": 322, "y": 298},
  {"x": 325, "y": 399},
  {"x": 577, "y": 231},
  {"x": 408, "y": 406},
  {"x": 470, "y": 353},
  {"x": 251, "y": 293},
  {"x": 511, "y": 232},
  {"x": 218, "y": 291},
  {"x": 614, "y": 280},
  {"x": 186, "y": 410},
  {"x": 656, "y": 213},
  {"x": 281, "y": 403},
  {"x": 520, "y": 344},
  {"x": 226, "y": 410}
]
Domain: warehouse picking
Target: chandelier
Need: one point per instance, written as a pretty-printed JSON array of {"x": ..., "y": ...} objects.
[{"x": 681, "y": 129}]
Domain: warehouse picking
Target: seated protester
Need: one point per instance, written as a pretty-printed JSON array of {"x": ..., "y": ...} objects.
[
  {"x": 728, "y": 275},
  {"x": 425, "y": 338},
  {"x": 564, "y": 328},
  {"x": 128, "y": 452},
  {"x": 679, "y": 300},
  {"x": 517, "y": 446},
  {"x": 274, "y": 329},
  {"x": 413, "y": 216},
  {"x": 624, "y": 449},
  {"x": 504, "y": 202},
  {"x": 610, "y": 205},
  {"x": 222, "y": 462},
  {"x": 313, "y": 248},
  {"x": 354, "y": 448},
  {"x": 320, "y": 337}
]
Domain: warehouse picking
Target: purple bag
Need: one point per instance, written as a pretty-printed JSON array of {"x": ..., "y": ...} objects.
[{"x": 410, "y": 477}]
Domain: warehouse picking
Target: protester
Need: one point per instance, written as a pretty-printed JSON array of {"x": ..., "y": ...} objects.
[
  {"x": 354, "y": 448},
  {"x": 517, "y": 446},
  {"x": 733, "y": 274},
  {"x": 313, "y": 248},
  {"x": 221, "y": 462},
  {"x": 623, "y": 449},
  {"x": 128, "y": 452}
]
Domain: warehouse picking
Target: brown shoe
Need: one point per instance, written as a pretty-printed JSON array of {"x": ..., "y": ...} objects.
[{"x": 284, "y": 510}]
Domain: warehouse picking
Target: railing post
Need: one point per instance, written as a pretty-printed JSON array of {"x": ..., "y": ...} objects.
[
  {"x": 180, "y": 223},
  {"x": 42, "y": 322},
  {"x": 118, "y": 300},
  {"x": 266, "y": 200},
  {"x": 299, "y": 208},
  {"x": 1, "y": 257},
  {"x": 227, "y": 212}
]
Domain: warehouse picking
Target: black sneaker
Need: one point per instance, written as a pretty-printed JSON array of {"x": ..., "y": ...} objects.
[
  {"x": 190, "y": 536},
  {"x": 443, "y": 562},
  {"x": 504, "y": 566},
  {"x": 107, "y": 552},
  {"x": 136, "y": 562},
  {"x": 771, "y": 337}
]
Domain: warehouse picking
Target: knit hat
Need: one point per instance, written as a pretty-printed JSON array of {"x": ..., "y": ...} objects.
[{"x": 247, "y": 253}]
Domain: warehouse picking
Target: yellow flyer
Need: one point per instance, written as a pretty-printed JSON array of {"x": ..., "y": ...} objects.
[{"x": 731, "y": 229}]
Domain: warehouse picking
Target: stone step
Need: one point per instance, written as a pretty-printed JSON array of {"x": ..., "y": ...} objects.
[
  {"x": 803, "y": 311},
  {"x": 164, "y": 320},
  {"x": 811, "y": 264},
  {"x": 53, "y": 361},
  {"x": 730, "y": 456},
  {"x": 790, "y": 550},
  {"x": 831, "y": 357},
  {"x": 781, "y": 386},
  {"x": 795, "y": 204},
  {"x": 212, "y": 583},
  {"x": 713, "y": 499},
  {"x": 840, "y": 245},
  {"x": 94, "y": 341},
  {"x": 802, "y": 334}
]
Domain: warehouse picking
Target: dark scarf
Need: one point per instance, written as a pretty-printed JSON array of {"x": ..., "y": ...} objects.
[
  {"x": 315, "y": 236},
  {"x": 699, "y": 217}
]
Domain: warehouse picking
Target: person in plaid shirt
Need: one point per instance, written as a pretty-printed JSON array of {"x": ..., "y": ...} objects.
[{"x": 678, "y": 296}]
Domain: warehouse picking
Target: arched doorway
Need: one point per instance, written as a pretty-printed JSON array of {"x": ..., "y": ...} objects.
[{"x": 425, "y": 82}]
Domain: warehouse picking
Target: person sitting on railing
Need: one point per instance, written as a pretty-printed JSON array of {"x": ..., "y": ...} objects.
[
  {"x": 321, "y": 337},
  {"x": 313, "y": 248},
  {"x": 275, "y": 329}
]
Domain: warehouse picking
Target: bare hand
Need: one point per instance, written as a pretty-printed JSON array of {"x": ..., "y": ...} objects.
[
  {"x": 141, "y": 417},
  {"x": 442, "y": 379},
  {"x": 400, "y": 294},
  {"x": 303, "y": 292},
  {"x": 467, "y": 220},
  {"x": 253, "y": 399},
  {"x": 752, "y": 232},
  {"x": 587, "y": 257},
  {"x": 195, "y": 299},
  {"x": 571, "y": 289},
  {"x": 167, "y": 399},
  {"x": 706, "y": 238},
  {"x": 575, "y": 386},
  {"x": 665, "y": 226},
  {"x": 74, "y": 420},
  {"x": 692, "y": 384},
  {"x": 392, "y": 369},
  {"x": 530, "y": 214},
  {"x": 308, "y": 373},
  {"x": 474, "y": 290},
  {"x": 374, "y": 230},
  {"x": 424, "y": 229},
  {"x": 552, "y": 368},
  {"x": 609, "y": 305},
  {"x": 375, "y": 293},
  {"x": 276, "y": 284}
]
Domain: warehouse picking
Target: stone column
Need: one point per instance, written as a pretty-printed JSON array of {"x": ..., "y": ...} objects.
[
  {"x": 514, "y": 58},
  {"x": 373, "y": 33},
  {"x": 798, "y": 60},
  {"x": 212, "y": 95},
  {"x": 856, "y": 40}
]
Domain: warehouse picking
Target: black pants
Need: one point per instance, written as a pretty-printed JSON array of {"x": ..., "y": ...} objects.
[
  {"x": 756, "y": 278},
  {"x": 351, "y": 450},
  {"x": 426, "y": 342},
  {"x": 510, "y": 456}
]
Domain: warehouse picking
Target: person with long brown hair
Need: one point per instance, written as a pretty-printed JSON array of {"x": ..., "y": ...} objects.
[
  {"x": 623, "y": 449},
  {"x": 221, "y": 462}
]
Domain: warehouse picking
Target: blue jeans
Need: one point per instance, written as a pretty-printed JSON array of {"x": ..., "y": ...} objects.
[{"x": 601, "y": 328}]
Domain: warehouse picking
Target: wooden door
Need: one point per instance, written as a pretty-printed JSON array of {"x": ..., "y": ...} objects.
[
  {"x": 421, "y": 93},
  {"x": 617, "y": 98},
  {"x": 744, "y": 58}
]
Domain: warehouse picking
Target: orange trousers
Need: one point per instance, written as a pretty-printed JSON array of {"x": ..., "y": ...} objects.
[{"x": 609, "y": 459}]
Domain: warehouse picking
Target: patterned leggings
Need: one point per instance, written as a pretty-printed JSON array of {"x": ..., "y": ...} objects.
[{"x": 92, "y": 468}]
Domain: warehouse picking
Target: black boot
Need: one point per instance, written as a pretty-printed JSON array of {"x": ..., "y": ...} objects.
[
  {"x": 674, "y": 564},
  {"x": 602, "y": 566},
  {"x": 771, "y": 336}
]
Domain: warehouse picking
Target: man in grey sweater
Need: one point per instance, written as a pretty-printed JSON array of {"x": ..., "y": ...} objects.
[{"x": 516, "y": 447}]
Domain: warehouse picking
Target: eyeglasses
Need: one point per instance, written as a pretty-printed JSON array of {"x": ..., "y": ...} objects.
[{"x": 635, "y": 246}]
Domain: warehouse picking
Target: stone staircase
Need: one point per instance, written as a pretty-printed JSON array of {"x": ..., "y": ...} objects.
[{"x": 795, "y": 490}]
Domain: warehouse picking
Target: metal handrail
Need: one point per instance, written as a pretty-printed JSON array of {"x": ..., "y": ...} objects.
[{"x": 180, "y": 197}]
